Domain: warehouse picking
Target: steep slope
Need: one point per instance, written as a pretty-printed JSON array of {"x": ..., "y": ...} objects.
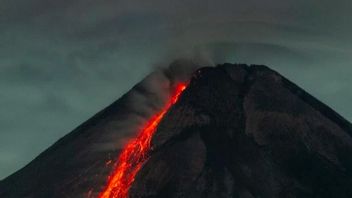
[
  {"x": 236, "y": 131},
  {"x": 78, "y": 165},
  {"x": 246, "y": 132}
]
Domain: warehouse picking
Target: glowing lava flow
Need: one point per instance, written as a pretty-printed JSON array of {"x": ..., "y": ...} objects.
[{"x": 135, "y": 153}]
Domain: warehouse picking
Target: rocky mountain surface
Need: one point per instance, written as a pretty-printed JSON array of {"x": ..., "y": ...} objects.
[{"x": 236, "y": 131}]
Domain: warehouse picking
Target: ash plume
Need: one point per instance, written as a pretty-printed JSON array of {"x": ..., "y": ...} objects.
[{"x": 147, "y": 98}]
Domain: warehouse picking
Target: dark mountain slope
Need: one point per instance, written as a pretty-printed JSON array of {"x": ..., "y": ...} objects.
[
  {"x": 236, "y": 131},
  {"x": 243, "y": 131}
]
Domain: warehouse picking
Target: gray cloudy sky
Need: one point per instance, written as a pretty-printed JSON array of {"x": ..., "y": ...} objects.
[{"x": 62, "y": 61}]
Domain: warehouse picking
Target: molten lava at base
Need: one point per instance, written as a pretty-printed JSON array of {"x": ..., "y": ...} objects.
[{"x": 135, "y": 154}]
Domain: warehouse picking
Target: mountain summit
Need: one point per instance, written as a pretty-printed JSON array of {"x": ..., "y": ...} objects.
[{"x": 235, "y": 131}]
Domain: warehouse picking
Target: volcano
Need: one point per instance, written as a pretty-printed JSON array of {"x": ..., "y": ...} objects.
[{"x": 230, "y": 131}]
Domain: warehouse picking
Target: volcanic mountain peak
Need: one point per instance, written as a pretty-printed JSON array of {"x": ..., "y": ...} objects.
[
  {"x": 244, "y": 131},
  {"x": 235, "y": 131}
]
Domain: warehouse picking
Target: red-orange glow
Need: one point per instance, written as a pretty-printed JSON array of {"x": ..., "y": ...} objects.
[{"x": 135, "y": 154}]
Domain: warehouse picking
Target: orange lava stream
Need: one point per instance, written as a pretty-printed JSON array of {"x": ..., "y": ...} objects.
[{"x": 135, "y": 154}]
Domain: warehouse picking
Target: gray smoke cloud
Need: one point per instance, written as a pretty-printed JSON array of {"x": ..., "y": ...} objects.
[
  {"x": 63, "y": 61},
  {"x": 144, "y": 101}
]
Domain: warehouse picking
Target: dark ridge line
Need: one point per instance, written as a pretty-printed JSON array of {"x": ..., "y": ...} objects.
[
  {"x": 100, "y": 116},
  {"x": 319, "y": 106},
  {"x": 309, "y": 99},
  {"x": 77, "y": 131}
]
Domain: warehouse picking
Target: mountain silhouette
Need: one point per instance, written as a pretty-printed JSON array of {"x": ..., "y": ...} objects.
[{"x": 235, "y": 131}]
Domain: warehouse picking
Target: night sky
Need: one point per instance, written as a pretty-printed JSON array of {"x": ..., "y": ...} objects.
[{"x": 61, "y": 61}]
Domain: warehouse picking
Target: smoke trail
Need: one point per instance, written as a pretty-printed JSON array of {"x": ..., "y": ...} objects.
[{"x": 146, "y": 98}]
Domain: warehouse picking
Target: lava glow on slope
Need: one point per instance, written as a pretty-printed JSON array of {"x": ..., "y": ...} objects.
[{"x": 135, "y": 153}]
